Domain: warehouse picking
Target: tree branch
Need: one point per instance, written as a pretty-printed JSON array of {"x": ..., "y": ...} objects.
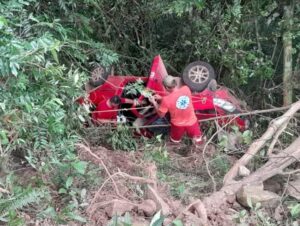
[{"x": 275, "y": 125}]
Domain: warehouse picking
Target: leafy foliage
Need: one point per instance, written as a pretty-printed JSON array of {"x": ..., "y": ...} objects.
[
  {"x": 122, "y": 138},
  {"x": 9, "y": 206},
  {"x": 38, "y": 86},
  {"x": 295, "y": 210},
  {"x": 259, "y": 216}
]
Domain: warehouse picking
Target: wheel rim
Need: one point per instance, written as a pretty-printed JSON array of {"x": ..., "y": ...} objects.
[
  {"x": 97, "y": 74},
  {"x": 198, "y": 74}
]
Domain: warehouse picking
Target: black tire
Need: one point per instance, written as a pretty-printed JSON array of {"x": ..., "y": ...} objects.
[
  {"x": 98, "y": 76},
  {"x": 197, "y": 75}
]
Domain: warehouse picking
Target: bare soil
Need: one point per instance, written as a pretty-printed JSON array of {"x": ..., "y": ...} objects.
[{"x": 117, "y": 188}]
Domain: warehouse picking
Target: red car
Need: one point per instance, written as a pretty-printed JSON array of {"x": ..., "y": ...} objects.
[{"x": 209, "y": 100}]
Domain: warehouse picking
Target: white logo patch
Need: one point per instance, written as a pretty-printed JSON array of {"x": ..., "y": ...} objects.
[{"x": 183, "y": 102}]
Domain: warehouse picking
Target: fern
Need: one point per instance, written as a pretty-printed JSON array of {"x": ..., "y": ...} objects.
[{"x": 21, "y": 200}]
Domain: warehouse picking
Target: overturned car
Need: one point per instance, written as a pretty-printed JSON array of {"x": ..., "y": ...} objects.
[{"x": 209, "y": 99}]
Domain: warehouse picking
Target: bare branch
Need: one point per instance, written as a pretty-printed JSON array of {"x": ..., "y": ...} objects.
[
  {"x": 275, "y": 139},
  {"x": 275, "y": 125}
]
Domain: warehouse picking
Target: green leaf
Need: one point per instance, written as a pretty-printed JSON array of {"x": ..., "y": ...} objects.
[
  {"x": 3, "y": 22},
  {"x": 257, "y": 206},
  {"x": 181, "y": 189},
  {"x": 62, "y": 191},
  {"x": 49, "y": 212},
  {"x": 54, "y": 55},
  {"x": 76, "y": 217},
  {"x": 80, "y": 166},
  {"x": 235, "y": 129},
  {"x": 249, "y": 202},
  {"x": 2, "y": 106},
  {"x": 127, "y": 220},
  {"x": 69, "y": 182},
  {"x": 247, "y": 136},
  {"x": 177, "y": 223},
  {"x": 57, "y": 100},
  {"x": 2, "y": 219},
  {"x": 158, "y": 219},
  {"x": 3, "y": 137},
  {"x": 81, "y": 118},
  {"x": 295, "y": 210},
  {"x": 76, "y": 78},
  {"x": 13, "y": 68}
]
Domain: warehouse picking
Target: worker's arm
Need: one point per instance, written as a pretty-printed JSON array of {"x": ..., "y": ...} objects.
[
  {"x": 127, "y": 101},
  {"x": 156, "y": 106},
  {"x": 135, "y": 102}
]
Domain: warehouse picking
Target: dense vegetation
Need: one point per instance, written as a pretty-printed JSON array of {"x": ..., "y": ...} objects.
[{"x": 47, "y": 49}]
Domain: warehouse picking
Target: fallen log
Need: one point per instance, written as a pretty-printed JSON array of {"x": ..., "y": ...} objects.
[
  {"x": 274, "y": 166},
  {"x": 275, "y": 128}
]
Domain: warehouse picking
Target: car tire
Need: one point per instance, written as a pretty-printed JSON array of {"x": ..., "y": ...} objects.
[
  {"x": 197, "y": 75},
  {"x": 98, "y": 76}
]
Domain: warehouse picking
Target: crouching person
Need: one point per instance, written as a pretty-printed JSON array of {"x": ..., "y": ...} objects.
[
  {"x": 178, "y": 102},
  {"x": 107, "y": 110}
]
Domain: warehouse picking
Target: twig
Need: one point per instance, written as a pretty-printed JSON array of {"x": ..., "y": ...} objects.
[
  {"x": 290, "y": 172},
  {"x": 136, "y": 179},
  {"x": 206, "y": 162},
  {"x": 275, "y": 139},
  {"x": 203, "y": 153},
  {"x": 285, "y": 189},
  {"x": 2, "y": 190},
  {"x": 88, "y": 150}
]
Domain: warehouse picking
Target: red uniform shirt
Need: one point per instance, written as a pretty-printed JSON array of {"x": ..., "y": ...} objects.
[
  {"x": 179, "y": 104},
  {"x": 103, "y": 111}
]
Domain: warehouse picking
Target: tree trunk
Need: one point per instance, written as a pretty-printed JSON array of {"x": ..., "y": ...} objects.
[{"x": 287, "y": 56}]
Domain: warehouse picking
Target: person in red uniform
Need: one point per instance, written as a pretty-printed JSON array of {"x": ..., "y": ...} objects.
[
  {"x": 107, "y": 110},
  {"x": 179, "y": 104}
]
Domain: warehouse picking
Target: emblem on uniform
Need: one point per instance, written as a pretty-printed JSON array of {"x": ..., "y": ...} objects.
[{"x": 182, "y": 102}]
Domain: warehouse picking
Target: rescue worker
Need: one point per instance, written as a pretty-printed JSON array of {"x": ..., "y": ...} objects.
[
  {"x": 178, "y": 102},
  {"x": 107, "y": 110}
]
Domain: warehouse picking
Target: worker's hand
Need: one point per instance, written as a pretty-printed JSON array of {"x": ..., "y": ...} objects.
[
  {"x": 152, "y": 100},
  {"x": 136, "y": 102},
  {"x": 157, "y": 97}
]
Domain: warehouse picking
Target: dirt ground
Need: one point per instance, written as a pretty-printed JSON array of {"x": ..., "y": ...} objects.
[
  {"x": 126, "y": 189},
  {"x": 141, "y": 183}
]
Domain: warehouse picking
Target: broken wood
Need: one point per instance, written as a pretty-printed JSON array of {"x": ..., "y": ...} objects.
[
  {"x": 196, "y": 208},
  {"x": 274, "y": 126},
  {"x": 160, "y": 203},
  {"x": 274, "y": 166}
]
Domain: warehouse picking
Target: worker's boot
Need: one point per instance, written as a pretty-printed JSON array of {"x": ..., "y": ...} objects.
[{"x": 199, "y": 141}]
